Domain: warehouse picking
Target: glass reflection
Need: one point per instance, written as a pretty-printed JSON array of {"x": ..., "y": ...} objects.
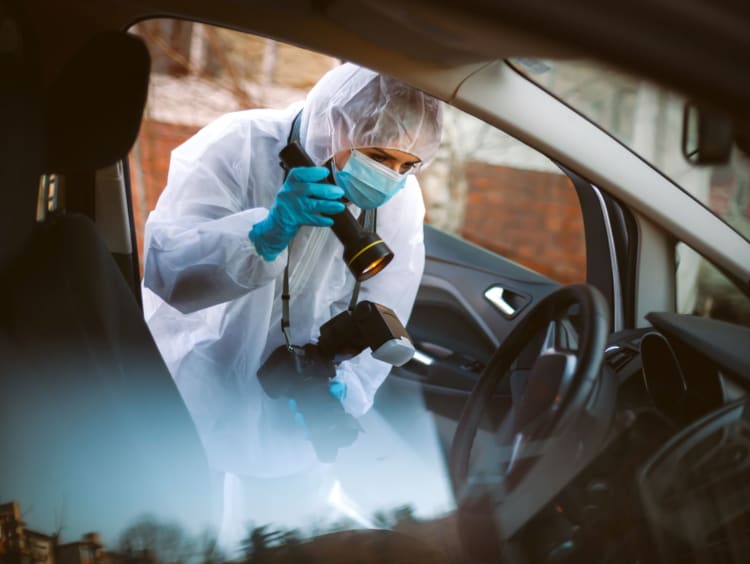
[
  {"x": 394, "y": 477},
  {"x": 519, "y": 418}
]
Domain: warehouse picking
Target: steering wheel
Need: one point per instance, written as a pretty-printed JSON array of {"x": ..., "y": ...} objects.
[{"x": 559, "y": 413}]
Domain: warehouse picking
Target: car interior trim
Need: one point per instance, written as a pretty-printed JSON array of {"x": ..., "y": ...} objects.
[
  {"x": 614, "y": 264},
  {"x": 723, "y": 343},
  {"x": 429, "y": 280},
  {"x": 598, "y": 239},
  {"x": 111, "y": 210},
  {"x": 625, "y": 239},
  {"x": 655, "y": 286},
  {"x": 423, "y": 358},
  {"x": 501, "y": 298}
]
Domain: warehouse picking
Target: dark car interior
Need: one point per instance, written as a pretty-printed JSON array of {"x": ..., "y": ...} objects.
[
  {"x": 668, "y": 400},
  {"x": 647, "y": 431},
  {"x": 101, "y": 392}
]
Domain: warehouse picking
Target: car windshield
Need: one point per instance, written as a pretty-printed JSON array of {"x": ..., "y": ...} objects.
[{"x": 648, "y": 119}]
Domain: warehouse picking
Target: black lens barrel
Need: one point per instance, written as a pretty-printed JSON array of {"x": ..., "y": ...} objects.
[{"x": 365, "y": 253}]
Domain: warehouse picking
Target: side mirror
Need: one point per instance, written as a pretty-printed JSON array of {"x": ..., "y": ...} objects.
[{"x": 707, "y": 136}]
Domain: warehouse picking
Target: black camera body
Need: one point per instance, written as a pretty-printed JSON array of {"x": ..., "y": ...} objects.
[
  {"x": 288, "y": 369},
  {"x": 303, "y": 374}
]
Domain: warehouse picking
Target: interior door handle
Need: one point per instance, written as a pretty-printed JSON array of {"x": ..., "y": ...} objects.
[{"x": 507, "y": 301}]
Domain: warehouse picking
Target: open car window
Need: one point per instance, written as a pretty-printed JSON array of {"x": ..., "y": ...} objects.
[
  {"x": 648, "y": 119},
  {"x": 702, "y": 289},
  {"x": 484, "y": 187},
  {"x": 496, "y": 192}
]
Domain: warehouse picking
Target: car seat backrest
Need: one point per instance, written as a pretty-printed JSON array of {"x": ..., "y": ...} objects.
[
  {"x": 91, "y": 422},
  {"x": 21, "y": 139}
]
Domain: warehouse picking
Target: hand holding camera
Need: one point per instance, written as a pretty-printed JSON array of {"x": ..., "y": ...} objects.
[{"x": 304, "y": 375}]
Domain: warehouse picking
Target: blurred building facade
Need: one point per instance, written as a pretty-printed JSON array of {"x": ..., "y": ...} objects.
[{"x": 21, "y": 545}]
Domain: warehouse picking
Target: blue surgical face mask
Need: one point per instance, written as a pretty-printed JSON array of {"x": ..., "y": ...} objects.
[{"x": 367, "y": 183}]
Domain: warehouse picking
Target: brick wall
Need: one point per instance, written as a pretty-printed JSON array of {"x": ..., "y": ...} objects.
[
  {"x": 149, "y": 164},
  {"x": 527, "y": 216}
]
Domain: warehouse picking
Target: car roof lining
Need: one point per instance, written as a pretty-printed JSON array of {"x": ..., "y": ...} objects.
[
  {"x": 387, "y": 35},
  {"x": 694, "y": 46},
  {"x": 436, "y": 34}
]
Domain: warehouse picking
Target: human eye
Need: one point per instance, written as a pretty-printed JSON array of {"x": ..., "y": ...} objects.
[{"x": 405, "y": 168}]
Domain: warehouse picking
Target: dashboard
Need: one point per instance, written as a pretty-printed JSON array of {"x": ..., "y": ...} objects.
[{"x": 670, "y": 482}]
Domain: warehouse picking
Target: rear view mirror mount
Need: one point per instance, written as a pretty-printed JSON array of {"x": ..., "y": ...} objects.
[{"x": 707, "y": 136}]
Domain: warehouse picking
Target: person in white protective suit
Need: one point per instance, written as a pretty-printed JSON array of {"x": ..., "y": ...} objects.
[{"x": 228, "y": 223}]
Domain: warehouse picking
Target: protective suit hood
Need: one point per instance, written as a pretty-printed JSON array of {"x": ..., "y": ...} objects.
[{"x": 353, "y": 107}]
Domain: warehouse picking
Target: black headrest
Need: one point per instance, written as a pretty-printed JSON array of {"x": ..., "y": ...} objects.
[
  {"x": 22, "y": 141},
  {"x": 95, "y": 105}
]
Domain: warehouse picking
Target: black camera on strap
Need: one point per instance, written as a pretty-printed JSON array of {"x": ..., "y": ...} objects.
[{"x": 304, "y": 374}]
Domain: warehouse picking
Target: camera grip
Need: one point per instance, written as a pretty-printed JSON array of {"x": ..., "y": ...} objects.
[
  {"x": 279, "y": 372},
  {"x": 304, "y": 375}
]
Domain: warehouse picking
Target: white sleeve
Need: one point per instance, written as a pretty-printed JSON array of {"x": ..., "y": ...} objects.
[
  {"x": 400, "y": 225},
  {"x": 197, "y": 251}
]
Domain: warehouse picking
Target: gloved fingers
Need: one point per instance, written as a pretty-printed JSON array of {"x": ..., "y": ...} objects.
[
  {"x": 330, "y": 207},
  {"x": 337, "y": 389},
  {"x": 305, "y": 174},
  {"x": 323, "y": 191},
  {"x": 317, "y": 220},
  {"x": 311, "y": 212}
]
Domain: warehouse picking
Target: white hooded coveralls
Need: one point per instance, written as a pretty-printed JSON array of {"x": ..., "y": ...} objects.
[{"x": 213, "y": 304}]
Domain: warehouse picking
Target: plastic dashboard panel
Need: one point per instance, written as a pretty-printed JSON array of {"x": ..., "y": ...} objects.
[{"x": 725, "y": 344}]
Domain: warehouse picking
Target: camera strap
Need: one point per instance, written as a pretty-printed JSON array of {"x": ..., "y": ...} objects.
[{"x": 368, "y": 219}]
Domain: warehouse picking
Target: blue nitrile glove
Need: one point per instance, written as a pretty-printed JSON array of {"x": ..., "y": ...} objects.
[
  {"x": 337, "y": 389},
  {"x": 299, "y": 419},
  {"x": 302, "y": 200}
]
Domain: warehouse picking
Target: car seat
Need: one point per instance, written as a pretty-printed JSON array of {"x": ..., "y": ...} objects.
[{"x": 93, "y": 431}]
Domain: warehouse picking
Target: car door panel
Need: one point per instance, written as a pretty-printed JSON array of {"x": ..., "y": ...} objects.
[{"x": 455, "y": 326}]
